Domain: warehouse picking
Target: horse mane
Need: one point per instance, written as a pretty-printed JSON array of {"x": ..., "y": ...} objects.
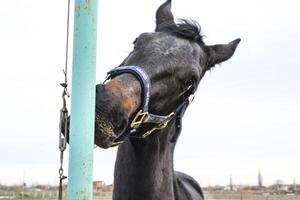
[{"x": 188, "y": 29}]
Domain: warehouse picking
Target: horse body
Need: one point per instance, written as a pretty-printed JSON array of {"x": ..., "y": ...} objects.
[
  {"x": 175, "y": 59},
  {"x": 144, "y": 167},
  {"x": 144, "y": 170}
]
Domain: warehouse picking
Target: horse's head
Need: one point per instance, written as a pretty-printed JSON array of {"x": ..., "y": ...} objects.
[{"x": 174, "y": 58}]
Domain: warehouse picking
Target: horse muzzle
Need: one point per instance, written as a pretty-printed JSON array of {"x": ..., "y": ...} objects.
[{"x": 104, "y": 132}]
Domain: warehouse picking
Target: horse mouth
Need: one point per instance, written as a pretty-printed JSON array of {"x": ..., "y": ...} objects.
[{"x": 104, "y": 132}]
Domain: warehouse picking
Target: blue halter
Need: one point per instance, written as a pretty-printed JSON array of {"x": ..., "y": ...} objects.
[{"x": 143, "y": 116}]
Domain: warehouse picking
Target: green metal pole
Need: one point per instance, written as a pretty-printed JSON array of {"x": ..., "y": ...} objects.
[{"x": 80, "y": 184}]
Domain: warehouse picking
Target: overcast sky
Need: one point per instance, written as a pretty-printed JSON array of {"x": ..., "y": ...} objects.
[{"x": 245, "y": 117}]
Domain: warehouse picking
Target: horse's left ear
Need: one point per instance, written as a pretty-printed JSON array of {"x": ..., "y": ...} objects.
[
  {"x": 220, "y": 52},
  {"x": 164, "y": 16}
]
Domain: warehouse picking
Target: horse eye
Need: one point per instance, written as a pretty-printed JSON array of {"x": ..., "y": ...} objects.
[{"x": 189, "y": 83}]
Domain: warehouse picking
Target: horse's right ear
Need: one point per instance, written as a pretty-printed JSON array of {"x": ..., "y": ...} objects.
[
  {"x": 164, "y": 16},
  {"x": 220, "y": 52}
]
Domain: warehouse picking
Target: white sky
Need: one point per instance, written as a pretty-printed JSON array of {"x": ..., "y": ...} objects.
[{"x": 246, "y": 114}]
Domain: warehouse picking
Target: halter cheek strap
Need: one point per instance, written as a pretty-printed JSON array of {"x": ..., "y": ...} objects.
[{"x": 143, "y": 116}]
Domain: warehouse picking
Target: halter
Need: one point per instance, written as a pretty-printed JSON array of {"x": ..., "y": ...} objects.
[{"x": 143, "y": 116}]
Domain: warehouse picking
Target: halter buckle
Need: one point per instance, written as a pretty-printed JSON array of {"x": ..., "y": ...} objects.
[
  {"x": 138, "y": 119},
  {"x": 162, "y": 125},
  {"x": 158, "y": 127}
]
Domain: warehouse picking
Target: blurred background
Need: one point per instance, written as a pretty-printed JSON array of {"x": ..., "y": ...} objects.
[{"x": 244, "y": 121}]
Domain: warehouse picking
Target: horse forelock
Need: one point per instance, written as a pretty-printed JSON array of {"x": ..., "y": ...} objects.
[{"x": 188, "y": 29}]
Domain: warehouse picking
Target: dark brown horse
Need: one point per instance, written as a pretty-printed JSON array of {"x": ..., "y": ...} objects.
[{"x": 143, "y": 103}]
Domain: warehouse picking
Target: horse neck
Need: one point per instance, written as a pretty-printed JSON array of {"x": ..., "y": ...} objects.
[{"x": 144, "y": 167}]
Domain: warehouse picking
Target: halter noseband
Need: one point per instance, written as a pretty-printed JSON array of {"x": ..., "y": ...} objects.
[{"x": 143, "y": 116}]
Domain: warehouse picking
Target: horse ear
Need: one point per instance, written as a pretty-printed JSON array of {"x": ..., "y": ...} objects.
[
  {"x": 164, "y": 16},
  {"x": 220, "y": 52}
]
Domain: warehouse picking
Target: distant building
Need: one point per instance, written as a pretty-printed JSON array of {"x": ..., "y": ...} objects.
[
  {"x": 229, "y": 187},
  {"x": 98, "y": 186},
  {"x": 280, "y": 188},
  {"x": 108, "y": 188},
  {"x": 218, "y": 188},
  {"x": 260, "y": 180},
  {"x": 230, "y": 184}
]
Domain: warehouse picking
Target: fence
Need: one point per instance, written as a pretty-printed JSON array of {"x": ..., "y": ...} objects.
[
  {"x": 45, "y": 195},
  {"x": 248, "y": 196},
  {"x": 52, "y": 194}
]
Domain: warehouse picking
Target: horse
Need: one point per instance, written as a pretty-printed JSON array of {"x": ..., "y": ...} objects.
[{"x": 140, "y": 106}]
